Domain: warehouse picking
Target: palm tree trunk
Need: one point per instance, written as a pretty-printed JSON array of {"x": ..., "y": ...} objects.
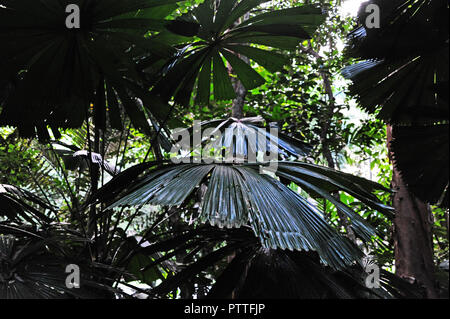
[{"x": 413, "y": 245}]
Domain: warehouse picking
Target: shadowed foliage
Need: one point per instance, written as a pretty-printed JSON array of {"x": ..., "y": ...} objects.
[
  {"x": 17, "y": 205},
  {"x": 422, "y": 155},
  {"x": 35, "y": 268},
  {"x": 403, "y": 77},
  {"x": 54, "y": 74},
  {"x": 260, "y": 273}
]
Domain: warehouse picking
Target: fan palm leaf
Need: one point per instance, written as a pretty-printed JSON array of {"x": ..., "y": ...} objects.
[
  {"x": 222, "y": 37},
  {"x": 256, "y": 272},
  {"x": 53, "y": 74},
  {"x": 404, "y": 77},
  {"x": 238, "y": 195},
  {"x": 405, "y": 71},
  {"x": 424, "y": 162}
]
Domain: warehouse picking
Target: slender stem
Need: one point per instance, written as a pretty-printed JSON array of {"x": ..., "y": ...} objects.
[{"x": 154, "y": 139}]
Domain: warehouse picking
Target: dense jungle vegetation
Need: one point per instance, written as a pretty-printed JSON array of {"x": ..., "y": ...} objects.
[{"x": 224, "y": 149}]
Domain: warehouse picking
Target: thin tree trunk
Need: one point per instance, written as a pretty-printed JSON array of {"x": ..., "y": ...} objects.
[
  {"x": 413, "y": 245},
  {"x": 95, "y": 177},
  {"x": 237, "y": 109},
  {"x": 325, "y": 123}
]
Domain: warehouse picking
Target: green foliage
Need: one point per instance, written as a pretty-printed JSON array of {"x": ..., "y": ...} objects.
[
  {"x": 16, "y": 160},
  {"x": 225, "y": 37},
  {"x": 111, "y": 201}
]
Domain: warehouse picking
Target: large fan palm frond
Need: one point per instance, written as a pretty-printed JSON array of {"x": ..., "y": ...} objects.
[
  {"x": 275, "y": 274},
  {"x": 223, "y": 37},
  {"x": 238, "y": 195},
  {"x": 53, "y": 74},
  {"x": 406, "y": 67},
  {"x": 405, "y": 76}
]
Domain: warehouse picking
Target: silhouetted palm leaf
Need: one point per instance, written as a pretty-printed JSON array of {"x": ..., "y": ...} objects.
[
  {"x": 259, "y": 273},
  {"x": 53, "y": 74},
  {"x": 275, "y": 274},
  {"x": 421, "y": 153},
  {"x": 406, "y": 75},
  {"x": 406, "y": 71}
]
